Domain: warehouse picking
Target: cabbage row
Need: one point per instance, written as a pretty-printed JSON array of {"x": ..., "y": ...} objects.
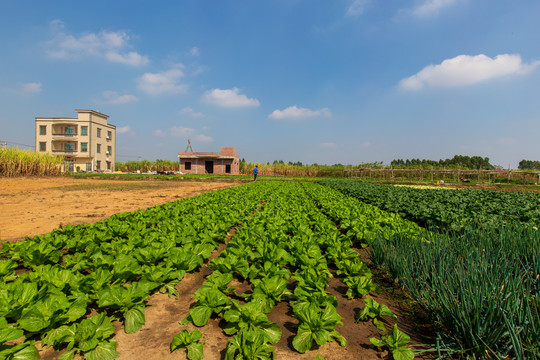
[
  {"x": 65, "y": 288},
  {"x": 284, "y": 253},
  {"x": 50, "y": 284},
  {"x": 446, "y": 209}
]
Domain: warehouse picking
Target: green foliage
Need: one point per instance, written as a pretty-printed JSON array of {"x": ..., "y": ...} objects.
[
  {"x": 396, "y": 341},
  {"x": 269, "y": 291},
  {"x": 209, "y": 301},
  {"x": 189, "y": 340},
  {"x": 129, "y": 301},
  {"x": 112, "y": 266},
  {"x": 373, "y": 310},
  {"x": 88, "y": 338},
  {"x": 249, "y": 345},
  {"x": 317, "y": 325},
  {"x": 23, "y": 351},
  {"x": 529, "y": 165},
  {"x": 481, "y": 284},
  {"x": 445, "y": 209},
  {"x": 458, "y": 161},
  {"x": 249, "y": 317},
  {"x": 146, "y": 165},
  {"x": 358, "y": 286}
]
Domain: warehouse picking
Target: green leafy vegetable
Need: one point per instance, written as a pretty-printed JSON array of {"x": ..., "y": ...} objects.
[
  {"x": 396, "y": 341},
  {"x": 317, "y": 326},
  {"x": 374, "y": 310},
  {"x": 189, "y": 340}
]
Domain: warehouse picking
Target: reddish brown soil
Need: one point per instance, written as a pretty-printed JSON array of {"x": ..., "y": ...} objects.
[{"x": 36, "y": 206}]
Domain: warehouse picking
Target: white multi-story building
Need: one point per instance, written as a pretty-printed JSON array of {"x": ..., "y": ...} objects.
[{"x": 87, "y": 143}]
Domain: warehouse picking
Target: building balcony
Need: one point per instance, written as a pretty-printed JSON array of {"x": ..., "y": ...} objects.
[
  {"x": 65, "y": 130},
  {"x": 64, "y": 147},
  {"x": 60, "y": 135},
  {"x": 65, "y": 152}
]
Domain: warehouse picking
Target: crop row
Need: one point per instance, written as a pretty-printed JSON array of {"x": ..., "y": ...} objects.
[
  {"x": 50, "y": 284},
  {"x": 284, "y": 253},
  {"x": 63, "y": 289},
  {"x": 481, "y": 284},
  {"x": 446, "y": 209}
]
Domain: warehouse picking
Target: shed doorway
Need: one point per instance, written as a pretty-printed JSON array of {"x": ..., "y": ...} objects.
[{"x": 209, "y": 167}]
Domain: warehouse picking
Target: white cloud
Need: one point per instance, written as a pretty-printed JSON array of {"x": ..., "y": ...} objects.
[
  {"x": 30, "y": 88},
  {"x": 199, "y": 69},
  {"x": 465, "y": 70},
  {"x": 294, "y": 112},
  {"x": 165, "y": 82},
  {"x": 194, "y": 51},
  {"x": 26, "y": 89},
  {"x": 112, "y": 97},
  {"x": 432, "y": 7},
  {"x": 364, "y": 145},
  {"x": 229, "y": 98},
  {"x": 132, "y": 58},
  {"x": 124, "y": 130},
  {"x": 328, "y": 145},
  {"x": 189, "y": 111},
  {"x": 109, "y": 45},
  {"x": 203, "y": 138},
  {"x": 184, "y": 132},
  {"x": 357, "y": 7},
  {"x": 180, "y": 131}
]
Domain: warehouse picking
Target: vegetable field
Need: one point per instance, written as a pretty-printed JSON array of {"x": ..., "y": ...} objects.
[
  {"x": 266, "y": 247},
  {"x": 447, "y": 209}
]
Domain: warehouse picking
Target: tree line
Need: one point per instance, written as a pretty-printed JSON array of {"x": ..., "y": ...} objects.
[
  {"x": 529, "y": 165},
  {"x": 458, "y": 161}
]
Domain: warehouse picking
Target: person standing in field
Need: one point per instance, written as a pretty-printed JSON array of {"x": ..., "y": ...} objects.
[{"x": 255, "y": 171}]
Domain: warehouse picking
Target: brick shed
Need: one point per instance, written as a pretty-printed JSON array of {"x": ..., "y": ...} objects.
[{"x": 224, "y": 162}]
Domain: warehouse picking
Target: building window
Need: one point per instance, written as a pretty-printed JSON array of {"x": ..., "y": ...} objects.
[
  {"x": 98, "y": 165},
  {"x": 98, "y": 132},
  {"x": 68, "y": 147},
  {"x": 42, "y": 129},
  {"x": 98, "y": 150},
  {"x": 187, "y": 165},
  {"x": 69, "y": 130},
  {"x": 84, "y": 147},
  {"x": 88, "y": 166},
  {"x": 84, "y": 130},
  {"x": 108, "y": 165},
  {"x": 109, "y": 135},
  {"x": 227, "y": 169},
  {"x": 109, "y": 150},
  {"x": 42, "y": 146}
]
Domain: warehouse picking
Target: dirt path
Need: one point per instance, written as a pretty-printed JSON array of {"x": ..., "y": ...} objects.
[{"x": 34, "y": 206}]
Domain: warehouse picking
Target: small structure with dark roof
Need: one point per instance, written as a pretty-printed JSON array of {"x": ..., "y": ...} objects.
[{"x": 225, "y": 162}]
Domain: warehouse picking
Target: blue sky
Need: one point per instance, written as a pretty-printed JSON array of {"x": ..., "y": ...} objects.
[{"x": 342, "y": 81}]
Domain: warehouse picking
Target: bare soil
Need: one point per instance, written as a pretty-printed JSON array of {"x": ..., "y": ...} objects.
[
  {"x": 30, "y": 206},
  {"x": 34, "y": 206}
]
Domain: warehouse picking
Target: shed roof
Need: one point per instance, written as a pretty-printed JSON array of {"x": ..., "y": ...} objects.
[{"x": 226, "y": 153}]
